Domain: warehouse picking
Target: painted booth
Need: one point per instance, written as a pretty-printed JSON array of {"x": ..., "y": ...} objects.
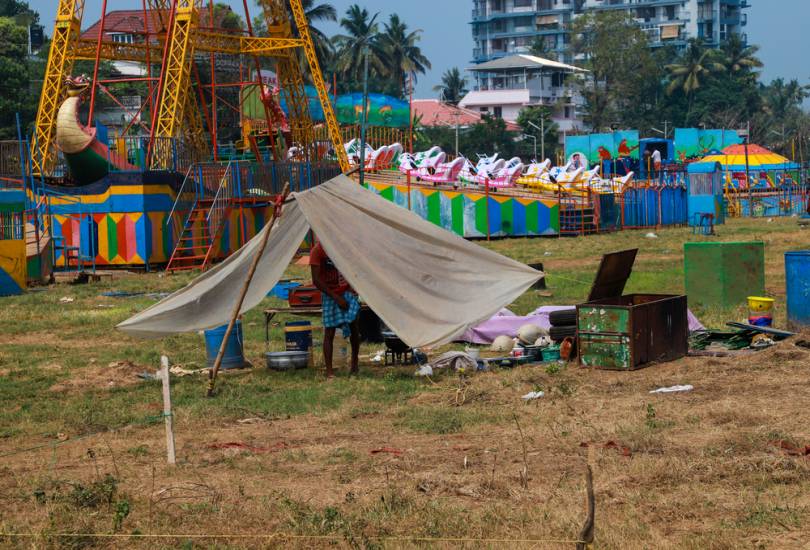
[{"x": 705, "y": 193}]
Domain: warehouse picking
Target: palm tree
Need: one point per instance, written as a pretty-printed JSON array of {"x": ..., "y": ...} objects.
[
  {"x": 361, "y": 33},
  {"x": 695, "y": 64},
  {"x": 453, "y": 87},
  {"x": 316, "y": 13},
  {"x": 738, "y": 57},
  {"x": 402, "y": 54}
]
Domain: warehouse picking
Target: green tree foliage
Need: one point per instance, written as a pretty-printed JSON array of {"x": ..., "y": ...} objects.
[
  {"x": 690, "y": 72},
  {"x": 402, "y": 54},
  {"x": 539, "y": 48},
  {"x": 487, "y": 137},
  {"x": 318, "y": 13},
  {"x": 361, "y": 34},
  {"x": 618, "y": 58},
  {"x": 540, "y": 117},
  {"x": 394, "y": 53},
  {"x": 14, "y": 77},
  {"x": 453, "y": 87}
]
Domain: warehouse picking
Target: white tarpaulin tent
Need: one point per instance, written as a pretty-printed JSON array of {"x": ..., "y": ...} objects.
[{"x": 427, "y": 284}]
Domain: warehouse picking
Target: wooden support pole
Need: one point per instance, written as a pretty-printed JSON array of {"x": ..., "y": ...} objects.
[
  {"x": 212, "y": 374},
  {"x": 167, "y": 409}
]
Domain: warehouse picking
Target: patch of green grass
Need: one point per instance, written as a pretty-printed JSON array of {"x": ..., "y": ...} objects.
[
  {"x": 441, "y": 420},
  {"x": 773, "y": 516}
]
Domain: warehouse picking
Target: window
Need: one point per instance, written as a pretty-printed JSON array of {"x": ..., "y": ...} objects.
[
  {"x": 123, "y": 38},
  {"x": 568, "y": 112},
  {"x": 498, "y": 112},
  {"x": 484, "y": 109},
  {"x": 524, "y": 3}
]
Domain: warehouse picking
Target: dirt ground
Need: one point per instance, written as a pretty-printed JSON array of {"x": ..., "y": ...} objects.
[
  {"x": 387, "y": 460},
  {"x": 722, "y": 466}
]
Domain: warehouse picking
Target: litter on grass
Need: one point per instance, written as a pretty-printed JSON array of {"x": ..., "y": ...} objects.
[
  {"x": 675, "y": 389},
  {"x": 532, "y": 395}
]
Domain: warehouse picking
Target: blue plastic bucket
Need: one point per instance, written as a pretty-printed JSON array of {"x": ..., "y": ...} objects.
[
  {"x": 298, "y": 335},
  {"x": 797, "y": 273},
  {"x": 234, "y": 357}
]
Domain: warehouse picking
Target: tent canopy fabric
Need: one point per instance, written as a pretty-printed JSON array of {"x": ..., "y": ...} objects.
[
  {"x": 759, "y": 158},
  {"x": 427, "y": 284}
]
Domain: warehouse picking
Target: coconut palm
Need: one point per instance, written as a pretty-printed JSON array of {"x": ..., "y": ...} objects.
[
  {"x": 361, "y": 33},
  {"x": 318, "y": 13},
  {"x": 453, "y": 87},
  {"x": 737, "y": 57},
  {"x": 695, "y": 65},
  {"x": 403, "y": 56}
]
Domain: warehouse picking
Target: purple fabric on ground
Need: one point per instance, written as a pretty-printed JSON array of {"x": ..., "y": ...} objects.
[{"x": 506, "y": 322}]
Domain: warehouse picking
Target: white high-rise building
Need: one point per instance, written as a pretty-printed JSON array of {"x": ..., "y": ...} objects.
[{"x": 507, "y": 27}]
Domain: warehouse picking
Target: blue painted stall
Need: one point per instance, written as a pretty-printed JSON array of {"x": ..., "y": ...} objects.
[{"x": 705, "y": 192}]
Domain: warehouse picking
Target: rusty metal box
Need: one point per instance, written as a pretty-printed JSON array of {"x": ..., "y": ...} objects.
[{"x": 627, "y": 332}]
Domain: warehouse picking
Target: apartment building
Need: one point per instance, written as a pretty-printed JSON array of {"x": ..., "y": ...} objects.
[{"x": 507, "y": 27}]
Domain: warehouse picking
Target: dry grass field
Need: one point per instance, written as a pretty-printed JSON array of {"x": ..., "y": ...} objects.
[{"x": 386, "y": 460}]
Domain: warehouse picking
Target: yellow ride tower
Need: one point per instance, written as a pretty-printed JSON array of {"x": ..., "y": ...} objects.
[{"x": 177, "y": 31}]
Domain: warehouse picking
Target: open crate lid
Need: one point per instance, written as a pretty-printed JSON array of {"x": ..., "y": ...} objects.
[{"x": 612, "y": 276}]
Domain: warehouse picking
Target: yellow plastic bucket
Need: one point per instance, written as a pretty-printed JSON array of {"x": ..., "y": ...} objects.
[{"x": 759, "y": 304}]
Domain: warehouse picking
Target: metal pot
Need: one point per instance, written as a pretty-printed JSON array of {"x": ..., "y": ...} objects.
[{"x": 287, "y": 360}]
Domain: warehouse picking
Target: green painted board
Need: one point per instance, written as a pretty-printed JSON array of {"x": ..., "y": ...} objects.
[
  {"x": 604, "y": 319},
  {"x": 605, "y": 352},
  {"x": 506, "y": 217},
  {"x": 457, "y": 204},
  {"x": 434, "y": 208},
  {"x": 532, "y": 222},
  {"x": 724, "y": 274}
]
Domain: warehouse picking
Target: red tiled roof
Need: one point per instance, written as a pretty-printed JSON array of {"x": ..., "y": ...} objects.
[
  {"x": 122, "y": 21},
  {"x": 435, "y": 113}
]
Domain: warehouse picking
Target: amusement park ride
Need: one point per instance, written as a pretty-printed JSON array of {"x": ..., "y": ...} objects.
[
  {"x": 163, "y": 190},
  {"x": 174, "y": 32}
]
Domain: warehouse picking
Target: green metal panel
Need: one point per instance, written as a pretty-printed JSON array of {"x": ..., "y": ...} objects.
[
  {"x": 605, "y": 352},
  {"x": 724, "y": 274},
  {"x": 604, "y": 319}
]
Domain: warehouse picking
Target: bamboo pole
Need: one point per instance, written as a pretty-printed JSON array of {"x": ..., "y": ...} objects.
[{"x": 212, "y": 374}]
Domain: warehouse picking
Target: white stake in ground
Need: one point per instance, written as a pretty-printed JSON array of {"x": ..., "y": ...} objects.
[{"x": 167, "y": 408}]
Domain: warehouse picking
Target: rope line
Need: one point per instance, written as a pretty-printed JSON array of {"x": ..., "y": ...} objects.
[{"x": 278, "y": 536}]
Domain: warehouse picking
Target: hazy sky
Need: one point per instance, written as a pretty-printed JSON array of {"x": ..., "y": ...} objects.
[{"x": 775, "y": 25}]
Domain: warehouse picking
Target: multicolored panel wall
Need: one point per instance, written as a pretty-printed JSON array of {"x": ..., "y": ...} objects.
[
  {"x": 467, "y": 214},
  {"x": 136, "y": 238},
  {"x": 12, "y": 267},
  {"x": 604, "y": 147},
  {"x": 130, "y": 225},
  {"x": 692, "y": 143}
]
